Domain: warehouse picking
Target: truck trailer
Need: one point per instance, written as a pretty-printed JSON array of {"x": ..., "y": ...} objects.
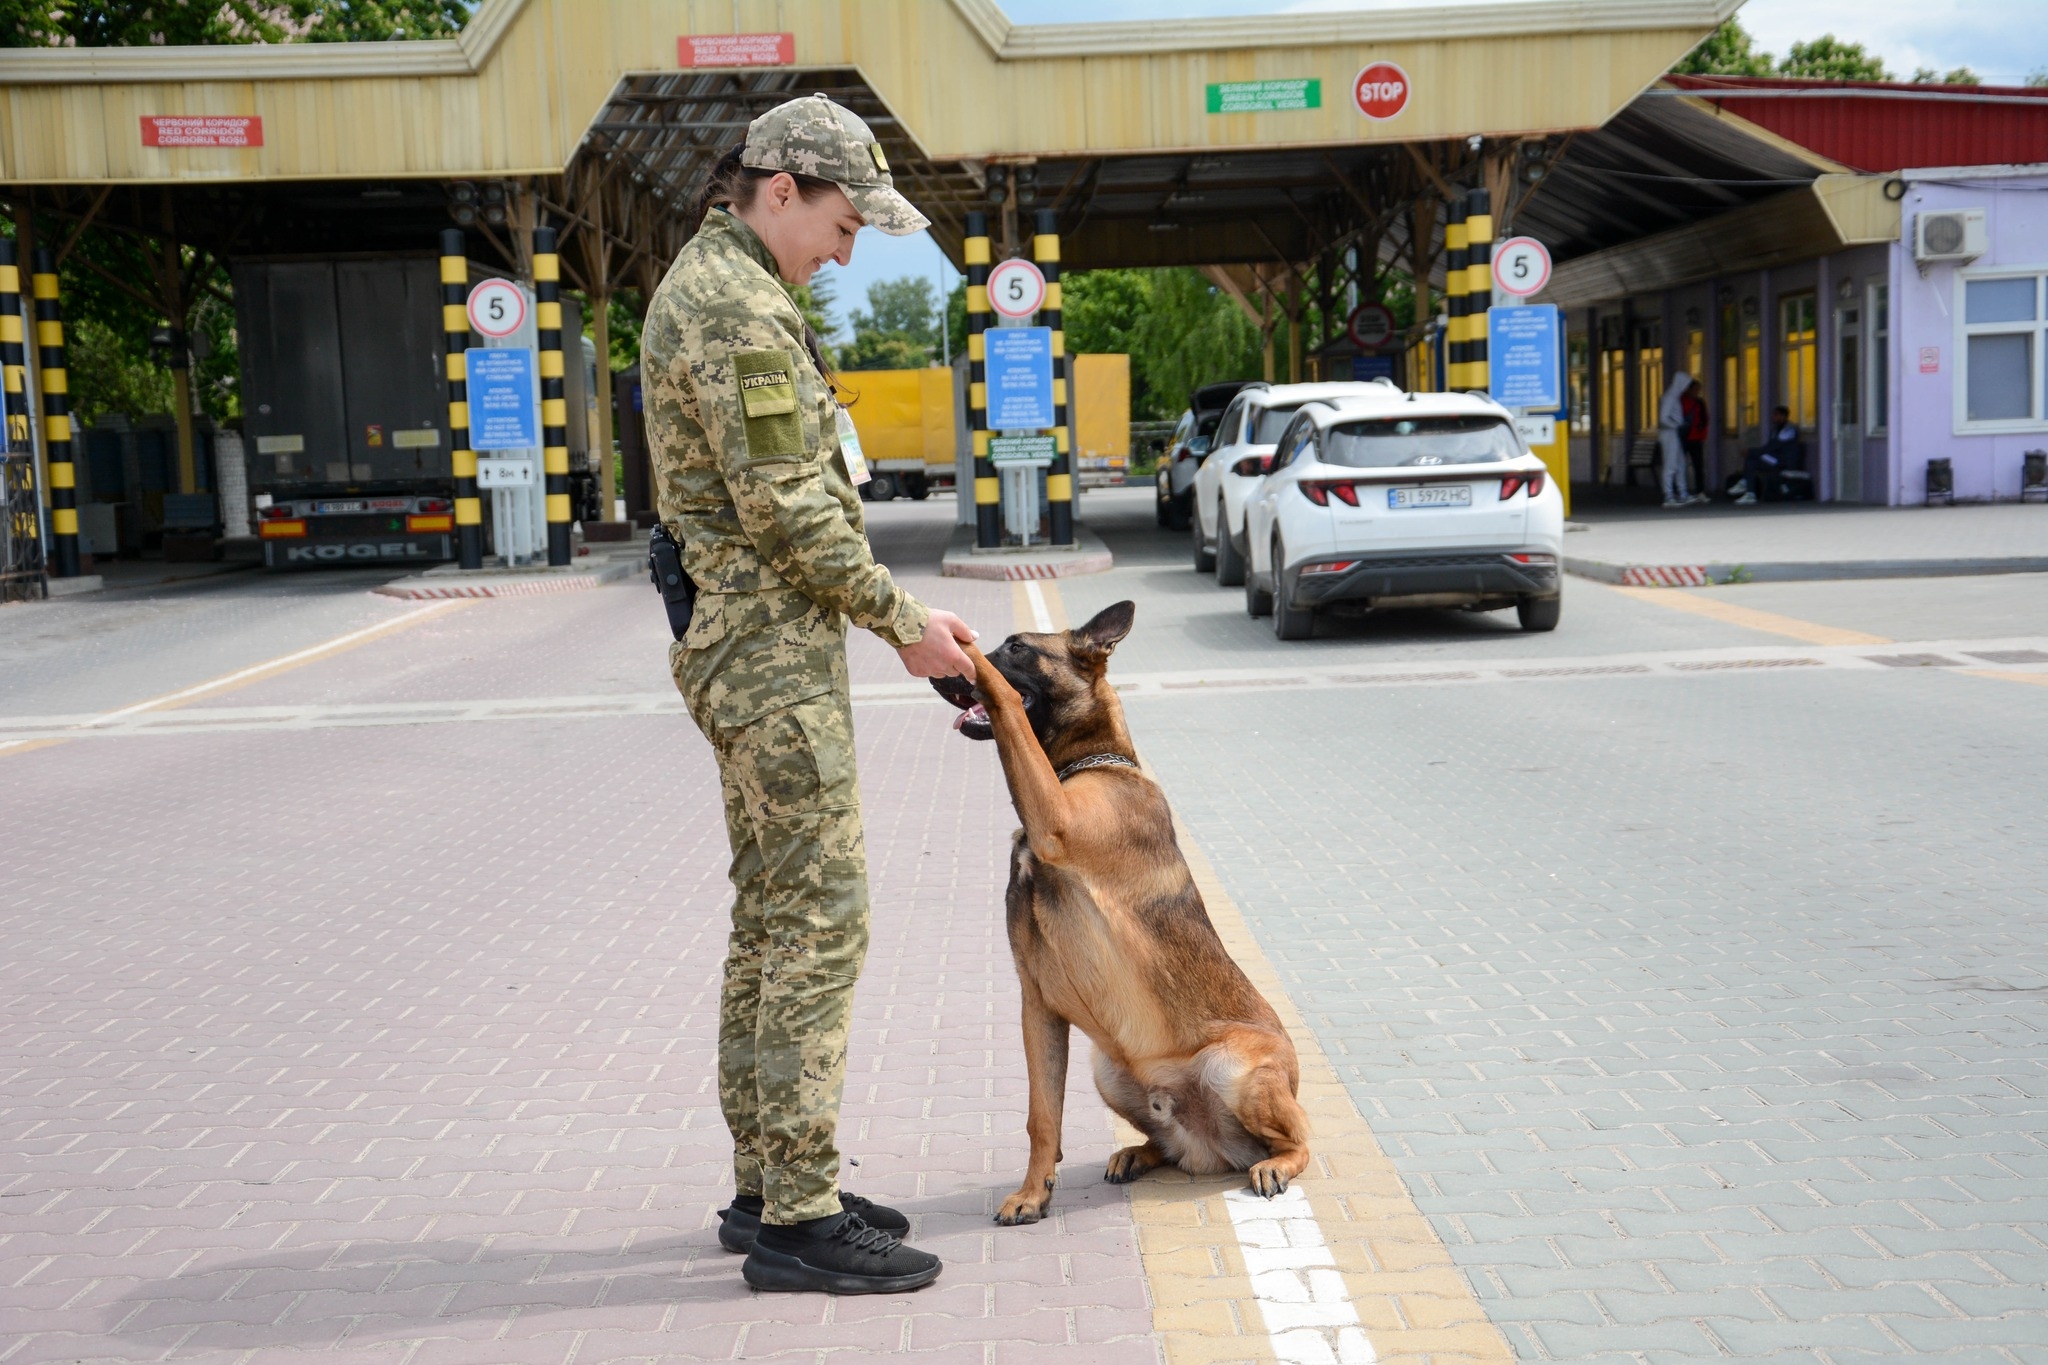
[{"x": 345, "y": 410}]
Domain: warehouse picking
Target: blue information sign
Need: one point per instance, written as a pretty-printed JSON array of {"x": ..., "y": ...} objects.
[
  {"x": 1524, "y": 356},
  {"x": 504, "y": 404},
  {"x": 1019, "y": 368}
]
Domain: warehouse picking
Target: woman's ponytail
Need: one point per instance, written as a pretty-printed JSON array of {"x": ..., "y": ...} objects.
[{"x": 723, "y": 184}]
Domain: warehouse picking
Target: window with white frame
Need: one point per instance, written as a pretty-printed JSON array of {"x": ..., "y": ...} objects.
[{"x": 2002, "y": 350}]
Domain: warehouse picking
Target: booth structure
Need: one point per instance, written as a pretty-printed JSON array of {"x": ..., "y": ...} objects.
[{"x": 1292, "y": 157}]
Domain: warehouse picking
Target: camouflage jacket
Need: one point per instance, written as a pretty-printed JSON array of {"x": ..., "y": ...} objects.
[{"x": 748, "y": 470}]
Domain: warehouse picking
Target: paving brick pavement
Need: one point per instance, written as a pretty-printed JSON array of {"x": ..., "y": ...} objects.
[{"x": 395, "y": 1044}]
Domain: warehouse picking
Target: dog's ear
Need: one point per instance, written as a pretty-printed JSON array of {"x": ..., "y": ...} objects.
[{"x": 1110, "y": 625}]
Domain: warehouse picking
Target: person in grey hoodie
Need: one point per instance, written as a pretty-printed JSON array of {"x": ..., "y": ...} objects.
[{"x": 1671, "y": 441}]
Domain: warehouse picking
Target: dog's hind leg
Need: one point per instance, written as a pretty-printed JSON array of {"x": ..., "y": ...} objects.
[
  {"x": 1126, "y": 1096},
  {"x": 1045, "y": 1064},
  {"x": 1267, "y": 1107}
]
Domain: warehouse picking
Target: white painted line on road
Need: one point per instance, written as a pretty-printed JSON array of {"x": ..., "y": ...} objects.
[
  {"x": 1041, "y": 617},
  {"x": 1310, "y": 1318}
]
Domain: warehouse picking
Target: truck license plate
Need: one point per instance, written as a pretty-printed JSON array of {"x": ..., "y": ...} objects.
[
  {"x": 352, "y": 506},
  {"x": 1430, "y": 495}
]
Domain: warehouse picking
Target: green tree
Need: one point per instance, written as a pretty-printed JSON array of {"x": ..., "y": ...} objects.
[
  {"x": 899, "y": 330},
  {"x": 1190, "y": 334},
  {"x": 1728, "y": 51},
  {"x": 2037, "y": 79},
  {"x": 181, "y": 23},
  {"x": 1961, "y": 75},
  {"x": 1829, "y": 58},
  {"x": 1100, "y": 310}
]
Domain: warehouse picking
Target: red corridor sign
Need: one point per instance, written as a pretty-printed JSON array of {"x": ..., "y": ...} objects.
[{"x": 202, "y": 130}]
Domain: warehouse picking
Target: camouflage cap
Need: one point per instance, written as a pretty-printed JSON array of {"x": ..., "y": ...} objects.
[{"x": 816, "y": 137}]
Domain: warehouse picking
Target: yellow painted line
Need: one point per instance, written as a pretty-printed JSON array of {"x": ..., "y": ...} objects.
[
  {"x": 2036, "y": 679},
  {"x": 1812, "y": 633},
  {"x": 1037, "y": 606},
  {"x": 255, "y": 673},
  {"x": 1408, "y": 1295}
]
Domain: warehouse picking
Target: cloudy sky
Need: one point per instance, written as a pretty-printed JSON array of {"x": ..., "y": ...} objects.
[{"x": 2003, "y": 40}]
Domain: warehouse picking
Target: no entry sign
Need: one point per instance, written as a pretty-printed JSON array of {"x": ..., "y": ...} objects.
[
  {"x": 497, "y": 309},
  {"x": 1381, "y": 91},
  {"x": 1371, "y": 326},
  {"x": 1016, "y": 288}
]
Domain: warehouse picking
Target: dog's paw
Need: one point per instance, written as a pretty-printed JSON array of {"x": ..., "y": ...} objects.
[
  {"x": 1130, "y": 1163},
  {"x": 1025, "y": 1206},
  {"x": 1268, "y": 1179}
]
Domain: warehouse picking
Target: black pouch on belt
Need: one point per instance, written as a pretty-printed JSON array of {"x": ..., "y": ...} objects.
[{"x": 665, "y": 568}]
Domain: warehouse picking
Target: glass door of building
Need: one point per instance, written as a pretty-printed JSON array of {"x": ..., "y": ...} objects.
[{"x": 1848, "y": 401}]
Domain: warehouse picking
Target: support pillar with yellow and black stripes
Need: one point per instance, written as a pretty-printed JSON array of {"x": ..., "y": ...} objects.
[
  {"x": 13, "y": 358},
  {"x": 21, "y": 496},
  {"x": 988, "y": 487},
  {"x": 1478, "y": 284},
  {"x": 1059, "y": 478},
  {"x": 554, "y": 405},
  {"x": 1456, "y": 351},
  {"x": 469, "y": 508},
  {"x": 56, "y": 387}
]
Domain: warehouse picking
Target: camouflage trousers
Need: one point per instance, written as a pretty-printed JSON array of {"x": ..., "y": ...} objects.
[{"x": 799, "y": 934}]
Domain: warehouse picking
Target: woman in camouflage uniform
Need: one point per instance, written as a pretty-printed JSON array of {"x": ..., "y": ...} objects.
[{"x": 757, "y": 470}]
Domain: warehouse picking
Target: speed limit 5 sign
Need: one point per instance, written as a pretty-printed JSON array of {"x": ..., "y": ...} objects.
[
  {"x": 1521, "y": 267},
  {"x": 497, "y": 308},
  {"x": 1016, "y": 288}
]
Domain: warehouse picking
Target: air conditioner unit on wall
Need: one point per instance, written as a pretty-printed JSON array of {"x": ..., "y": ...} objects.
[{"x": 1954, "y": 235}]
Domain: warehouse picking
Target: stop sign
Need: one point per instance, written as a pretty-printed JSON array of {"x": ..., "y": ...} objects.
[{"x": 1381, "y": 91}]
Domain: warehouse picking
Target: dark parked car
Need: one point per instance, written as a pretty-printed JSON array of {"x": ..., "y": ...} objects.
[{"x": 1175, "y": 480}]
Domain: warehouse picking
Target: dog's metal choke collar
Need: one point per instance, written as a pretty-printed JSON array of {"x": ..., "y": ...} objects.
[{"x": 1095, "y": 761}]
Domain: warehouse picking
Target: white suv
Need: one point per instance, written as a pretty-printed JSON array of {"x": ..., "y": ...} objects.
[
  {"x": 1404, "y": 500},
  {"x": 1238, "y": 458}
]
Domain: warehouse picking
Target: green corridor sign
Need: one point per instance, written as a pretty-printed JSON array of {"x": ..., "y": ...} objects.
[{"x": 1265, "y": 97}]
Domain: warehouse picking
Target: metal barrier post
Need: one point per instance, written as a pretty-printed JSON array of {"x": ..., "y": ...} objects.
[
  {"x": 469, "y": 509},
  {"x": 1455, "y": 336},
  {"x": 56, "y": 387},
  {"x": 554, "y": 407},
  {"x": 1059, "y": 479},
  {"x": 1478, "y": 283},
  {"x": 988, "y": 489}
]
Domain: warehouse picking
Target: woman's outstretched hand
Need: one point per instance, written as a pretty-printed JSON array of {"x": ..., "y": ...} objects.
[{"x": 938, "y": 654}]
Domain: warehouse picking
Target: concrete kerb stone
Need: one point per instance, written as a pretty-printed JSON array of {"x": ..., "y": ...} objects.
[
  {"x": 449, "y": 581},
  {"x": 1794, "y": 571},
  {"x": 1087, "y": 555}
]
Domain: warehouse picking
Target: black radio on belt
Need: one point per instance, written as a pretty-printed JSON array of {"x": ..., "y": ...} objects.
[{"x": 665, "y": 569}]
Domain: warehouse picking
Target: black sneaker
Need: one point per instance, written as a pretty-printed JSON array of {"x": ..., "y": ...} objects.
[
  {"x": 837, "y": 1254},
  {"x": 740, "y": 1222}
]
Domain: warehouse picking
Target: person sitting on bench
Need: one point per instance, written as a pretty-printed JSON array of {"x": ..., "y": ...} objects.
[{"x": 1762, "y": 466}]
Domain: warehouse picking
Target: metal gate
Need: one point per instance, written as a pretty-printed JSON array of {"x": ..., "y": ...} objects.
[{"x": 21, "y": 542}]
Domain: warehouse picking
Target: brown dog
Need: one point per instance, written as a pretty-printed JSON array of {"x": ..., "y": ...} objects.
[{"x": 1110, "y": 935}]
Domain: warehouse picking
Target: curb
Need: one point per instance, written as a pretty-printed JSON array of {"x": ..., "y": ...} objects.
[
  {"x": 74, "y": 587},
  {"x": 1090, "y": 555},
  {"x": 532, "y": 583},
  {"x": 1794, "y": 571}
]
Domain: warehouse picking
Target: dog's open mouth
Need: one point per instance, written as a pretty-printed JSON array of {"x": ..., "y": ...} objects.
[{"x": 973, "y": 720}]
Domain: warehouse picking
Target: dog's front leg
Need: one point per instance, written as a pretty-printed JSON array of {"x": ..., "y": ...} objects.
[
  {"x": 1045, "y": 1064},
  {"x": 1035, "y": 789}
]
